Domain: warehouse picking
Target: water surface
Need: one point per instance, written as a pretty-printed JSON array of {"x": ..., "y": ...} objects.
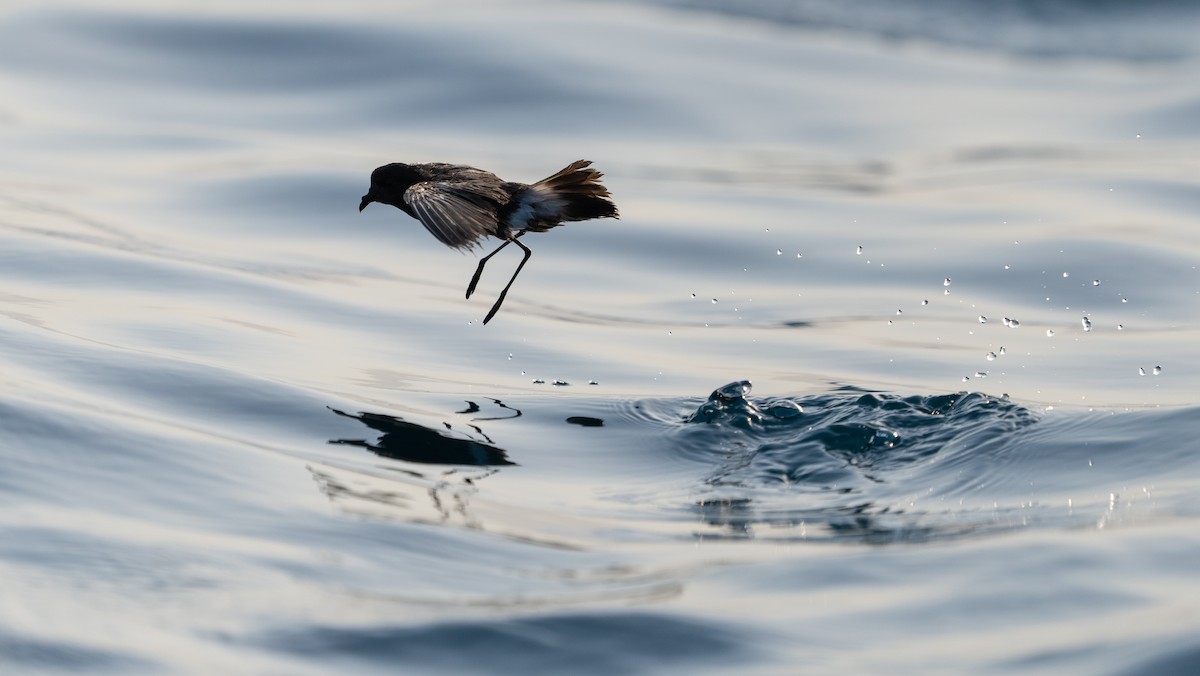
[{"x": 246, "y": 429}]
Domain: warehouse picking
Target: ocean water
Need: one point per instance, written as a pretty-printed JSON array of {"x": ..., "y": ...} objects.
[{"x": 888, "y": 366}]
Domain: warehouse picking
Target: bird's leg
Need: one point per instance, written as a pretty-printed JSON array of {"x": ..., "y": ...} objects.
[
  {"x": 479, "y": 270},
  {"x": 500, "y": 300},
  {"x": 483, "y": 262}
]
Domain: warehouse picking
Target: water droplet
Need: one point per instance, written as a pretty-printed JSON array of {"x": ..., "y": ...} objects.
[
  {"x": 1049, "y": 333},
  {"x": 946, "y": 282},
  {"x": 538, "y": 381},
  {"x": 899, "y": 312},
  {"x": 946, "y": 292},
  {"x": 1087, "y": 324},
  {"x": 560, "y": 383},
  {"x": 1157, "y": 370},
  {"x": 779, "y": 252},
  {"x": 510, "y": 356},
  {"x": 1066, "y": 274},
  {"x": 981, "y": 374},
  {"x": 592, "y": 382},
  {"x": 693, "y": 295},
  {"x": 859, "y": 251},
  {"x": 1137, "y": 135},
  {"x": 1002, "y": 351},
  {"x": 1006, "y": 267},
  {"x": 1124, "y": 300},
  {"x": 982, "y": 319},
  {"x": 1095, "y": 282},
  {"x": 991, "y": 356},
  {"x": 1141, "y": 371},
  {"x": 889, "y": 322},
  {"x": 799, "y": 255},
  {"x": 669, "y": 333},
  {"x": 1120, "y": 327},
  {"x": 714, "y": 301},
  {"x": 924, "y": 302},
  {"x": 966, "y": 378}
]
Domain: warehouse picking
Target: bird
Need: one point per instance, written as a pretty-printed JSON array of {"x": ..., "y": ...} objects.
[{"x": 462, "y": 205}]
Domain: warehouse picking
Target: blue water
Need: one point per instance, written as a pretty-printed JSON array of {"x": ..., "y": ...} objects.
[{"x": 823, "y": 400}]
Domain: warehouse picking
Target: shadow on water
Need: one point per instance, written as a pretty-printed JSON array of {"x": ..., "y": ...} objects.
[{"x": 402, "y": 440}]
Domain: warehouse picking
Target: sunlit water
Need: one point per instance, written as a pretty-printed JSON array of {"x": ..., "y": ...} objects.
[{"x": 246, "y": 429}]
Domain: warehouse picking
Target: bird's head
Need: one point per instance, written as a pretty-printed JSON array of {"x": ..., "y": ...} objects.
[{"x": 388, "y": 184}]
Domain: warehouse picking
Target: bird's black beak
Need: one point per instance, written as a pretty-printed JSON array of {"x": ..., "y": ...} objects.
[{"x": 365, "y": 201}]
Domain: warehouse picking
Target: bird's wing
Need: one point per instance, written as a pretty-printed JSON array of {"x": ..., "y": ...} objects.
[{"x": 457, "y": 217}]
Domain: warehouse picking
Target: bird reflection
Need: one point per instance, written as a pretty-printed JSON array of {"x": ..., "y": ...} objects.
[{"x": 403, "y": 440}]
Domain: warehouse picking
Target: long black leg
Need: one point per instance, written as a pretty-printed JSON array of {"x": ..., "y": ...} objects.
[
  {"x": 483, "y": 262},
  {"x": 500, "y": 300}
]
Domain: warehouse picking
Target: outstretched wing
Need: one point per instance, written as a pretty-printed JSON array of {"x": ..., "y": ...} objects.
[{"x": 456, "y": 216}]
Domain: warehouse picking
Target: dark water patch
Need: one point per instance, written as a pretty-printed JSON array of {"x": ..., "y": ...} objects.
[
  {"x": 31, "y": 655},
  {"x": 849, "y": 465},
  {"x": 577, "y": 644},
  {"x": 1099, "y": 29},
  {"x": 1179, "y": 659}
]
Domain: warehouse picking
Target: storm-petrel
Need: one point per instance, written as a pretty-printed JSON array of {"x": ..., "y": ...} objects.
[{"x": 460, "y": 205}]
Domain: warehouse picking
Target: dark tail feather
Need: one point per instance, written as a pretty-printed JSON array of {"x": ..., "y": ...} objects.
[{"x": 579, "y": 185}]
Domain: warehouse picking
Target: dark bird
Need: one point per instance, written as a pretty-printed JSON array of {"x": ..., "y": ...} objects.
[{"x": 461, "y": 205}]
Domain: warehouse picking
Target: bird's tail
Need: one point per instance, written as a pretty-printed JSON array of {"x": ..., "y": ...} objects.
[{"x": 578, "y": 187}]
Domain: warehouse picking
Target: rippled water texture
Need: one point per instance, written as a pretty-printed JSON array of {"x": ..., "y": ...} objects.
[{"x": 246, "y": 429}]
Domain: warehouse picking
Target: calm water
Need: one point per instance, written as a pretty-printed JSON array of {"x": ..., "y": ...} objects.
[{"x": 246, "y": 429}]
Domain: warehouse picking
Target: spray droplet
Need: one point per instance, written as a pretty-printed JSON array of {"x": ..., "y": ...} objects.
[
  {"x": 560, "y": 383},
  {"x": 991, "y": 356},
  {"x": 1157, "y": 370},
  {"x": 982, "y": 319},
  {"x": 714, "y": 301},
  {"x": 1049, "y": 333},
  {"x": 779, "y": 252},
  {"x": 1124, "y": 300},
  {"x": 693, "y": 295},
  {"x": 1002, "y": 351},
  {"x": 924, "y": 302},
  {"x": 981, "y": 374},
  {"x": 889, "y": 322},
  {"x": 1095, "y": 282},
  {"x": 1006, "y": 267},
  {"x": 1087, "y": 324},
  {"x": 1066, "y": 274},
  {"x": 538, "y": 381},
  {"x": 1141, "y": 371},
  {"x": 510, "y": 356},
  {"x": 858, "y": 251},
  {"x": 899, "y": 312},
  {"x": 1120, "y": 327},
  {"x": 592, "y": 382},
  {"x": 799, "y": 255},
  {"x": 966, "y": 378},
  {"x": 946, "y": 282}
]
